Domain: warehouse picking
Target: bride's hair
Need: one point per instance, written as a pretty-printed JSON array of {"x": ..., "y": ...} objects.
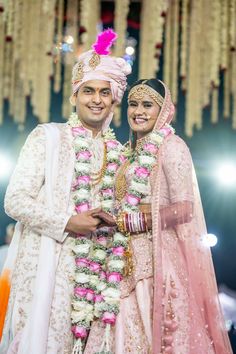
[{"x": 155, "y": 84}]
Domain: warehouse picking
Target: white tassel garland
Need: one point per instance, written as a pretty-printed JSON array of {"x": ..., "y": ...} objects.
[
  {"x": 105, "y": 347},
  {"x": 78, "y": 347}
]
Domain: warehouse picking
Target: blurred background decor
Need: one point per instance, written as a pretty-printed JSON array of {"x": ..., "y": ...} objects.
[{"x": 196, "y": 38}]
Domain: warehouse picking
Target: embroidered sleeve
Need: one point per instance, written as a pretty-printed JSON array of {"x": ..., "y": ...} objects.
[{"x": 22, "y": 201}]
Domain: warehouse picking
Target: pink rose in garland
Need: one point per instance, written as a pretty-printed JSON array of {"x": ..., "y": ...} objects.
[
  {"x": 83, "y": 179},
  {"x": 80, "y": 208},
  {"x": 101, "y": 240},
  {"x": 118, "y": 251},
  {"x": 165, "y": 131},
  {"x": 111, "y": 144},
  {"x": 81, "y": 262},
  {"x": 109, "y": 317},
  {"x": 83, "y": 155},
  {"x": 80, "y": 181},
  {"x": 79, "y": 332},
  {"x": 114, "y": 277},
  {"x": 108, "y": 192},
  {"x": 142, "y": 172},
  {"x": 132, "y": 199},
  {"x": 90, "y": 294},
  {"x": 98, "y": 298},
  {"x": 150, "y": 148},
  {"x": 94, "y": 267},
  {"x": 79, "y": 130},
  {"x": 80, "y": 291},
  {"x": 112, "y": 166}
]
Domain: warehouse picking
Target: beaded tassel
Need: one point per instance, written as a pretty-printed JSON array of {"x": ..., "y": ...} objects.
[
  {"x": 78, "y": 347},
  {"x": 105, "y": 347}
]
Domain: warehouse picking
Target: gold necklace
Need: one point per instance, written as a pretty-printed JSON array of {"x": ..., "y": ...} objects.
[
  {"x": 121, "y": 186},
  {"x": 96, "y": 177},
  {"x": 139, "y": 144}
]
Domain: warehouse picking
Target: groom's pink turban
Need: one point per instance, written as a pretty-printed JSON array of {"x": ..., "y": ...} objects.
[{"x": 97, "y": 64}]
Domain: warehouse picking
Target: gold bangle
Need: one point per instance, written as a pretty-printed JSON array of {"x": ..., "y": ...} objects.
[
  {"x": 124, "y": 222},
  {"x": 145, "y": 220}
]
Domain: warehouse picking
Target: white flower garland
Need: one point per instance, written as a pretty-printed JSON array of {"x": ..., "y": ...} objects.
[
  {"x": 96, "y": 292},
  {"x": 146, "y": 160}
]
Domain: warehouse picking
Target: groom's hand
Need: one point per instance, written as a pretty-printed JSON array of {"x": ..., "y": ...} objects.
[
  {"x": 106, "y": 219},
  {"x": 84, "y": 223}
]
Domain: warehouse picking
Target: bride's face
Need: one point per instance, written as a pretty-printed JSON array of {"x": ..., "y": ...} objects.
[{"x": 142, "y": 115}]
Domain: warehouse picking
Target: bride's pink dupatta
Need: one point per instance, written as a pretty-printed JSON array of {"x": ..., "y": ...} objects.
[{"x": 203, "y": 303}]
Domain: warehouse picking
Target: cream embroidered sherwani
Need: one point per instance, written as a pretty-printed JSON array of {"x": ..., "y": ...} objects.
[{"x": 25, "y": 202}]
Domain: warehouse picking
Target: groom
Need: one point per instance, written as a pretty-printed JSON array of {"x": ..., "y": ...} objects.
[{"x": 54, "y": 197}]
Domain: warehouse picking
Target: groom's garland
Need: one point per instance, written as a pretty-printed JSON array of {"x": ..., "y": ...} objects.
[{"x": 96, "y": 282}]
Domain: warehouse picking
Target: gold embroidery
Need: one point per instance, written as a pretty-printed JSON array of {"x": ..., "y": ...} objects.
[
  {"x": 121, "y": 184},
  {"x": 120, "y": 223},
  {"x": 139, "y": 91},
  {"x": 96, "y": 177},
  {"x": 80, "y": 72},
  {"x": 94, "y": 61},
  {"x": 129, "y": 266}
]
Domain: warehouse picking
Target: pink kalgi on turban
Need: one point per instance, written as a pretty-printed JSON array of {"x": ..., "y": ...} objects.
[{"x": 97, "y": 64}]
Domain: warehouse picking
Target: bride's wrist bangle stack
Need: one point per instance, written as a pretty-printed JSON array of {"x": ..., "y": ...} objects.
[{"x": 132, "y": 222}]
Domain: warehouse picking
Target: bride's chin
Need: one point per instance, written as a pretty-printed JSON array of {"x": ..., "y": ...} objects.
[
  {"x": 136, "y": 127},
  {"x": 139, "y": 129}
]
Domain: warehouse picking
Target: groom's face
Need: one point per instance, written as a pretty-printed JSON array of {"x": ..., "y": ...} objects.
[{"x": 94, "y": 103}]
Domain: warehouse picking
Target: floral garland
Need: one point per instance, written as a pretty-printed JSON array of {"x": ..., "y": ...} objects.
[
  {"x": 100, "y": 262},
  {"x": 146, "y": 159},
  {"x": 96, "y": 291},
  {"x": 107, "y": 305}
]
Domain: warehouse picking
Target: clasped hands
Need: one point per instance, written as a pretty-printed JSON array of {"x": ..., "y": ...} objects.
[{"x": 89, "y": 221}]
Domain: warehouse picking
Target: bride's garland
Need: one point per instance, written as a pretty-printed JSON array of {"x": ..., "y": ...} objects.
[{"x": 146, "y": 159}]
